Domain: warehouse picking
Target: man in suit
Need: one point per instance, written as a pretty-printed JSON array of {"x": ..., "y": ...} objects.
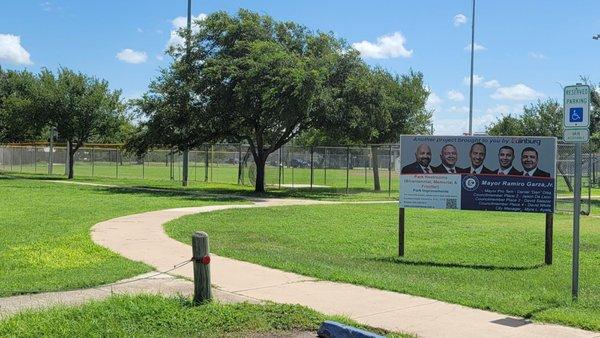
[
  {"x": 529, "y": 160},
  {"x": 449, "y": 156},
  {"x": 506, "y": 155},
  {"x": 421, "y": 165},
  {"x": 477, "y": 156}
]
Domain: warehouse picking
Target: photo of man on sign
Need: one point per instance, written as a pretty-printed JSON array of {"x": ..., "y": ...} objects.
[
  {"x": 477, "y": 156},
  {"x": 506, "y": 156},
  {"x": 421, "y": 165},
  {"x": 529, "y": 160}
]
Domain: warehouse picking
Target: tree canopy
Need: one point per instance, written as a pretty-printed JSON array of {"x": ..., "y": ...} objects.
[{"x": 249, "y": 78}]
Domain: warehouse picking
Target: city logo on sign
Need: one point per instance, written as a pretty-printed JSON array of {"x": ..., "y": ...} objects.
[{"x": 576, "y": 114}]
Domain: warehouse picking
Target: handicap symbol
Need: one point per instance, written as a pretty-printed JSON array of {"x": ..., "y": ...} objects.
[{"x": 576, "y": 115}]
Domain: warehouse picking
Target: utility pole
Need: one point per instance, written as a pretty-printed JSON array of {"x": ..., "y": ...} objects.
[
  {"x": 472, "y": 57},
  {"x": 186, "y": 151}
]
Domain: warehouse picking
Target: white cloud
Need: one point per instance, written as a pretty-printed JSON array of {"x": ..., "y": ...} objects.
[
  {"x": 538, "y": 56},
  {"x": 181, "y": 22},
  {"x": 455, "y": 95},
  {"x": 139, "y": 30},
  {"x": 459, "y": 110},
  {"x": 476, "y": 80},
  {"x": 132, "y": 56},
  {"x": 518, "y": 92},
  {"x": 433, "y": 101},
  {"x": 12, "y": 51},
  {"x": 459, "y": 19},
  {"x": 478, "y": 47},
  {"x": 491, "y": 84},
  {"x": 502, "y": 109},
  {"x": 459, "y": 126},
  {"x": 159, "y": 57},
  {"x": 387, "y": 46}
]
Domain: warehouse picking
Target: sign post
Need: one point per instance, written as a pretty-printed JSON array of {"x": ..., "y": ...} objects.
[{"x": 576, "y": 122}]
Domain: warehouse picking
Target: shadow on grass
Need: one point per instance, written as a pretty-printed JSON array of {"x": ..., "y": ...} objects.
[
  {"x": 225, "y": 190},
  {"x": 402, "y": 261}
]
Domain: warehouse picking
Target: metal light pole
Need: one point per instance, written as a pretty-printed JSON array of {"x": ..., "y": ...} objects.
[
  {"x": 186, "y": 152},
  {"x": 472, "y": 57}
]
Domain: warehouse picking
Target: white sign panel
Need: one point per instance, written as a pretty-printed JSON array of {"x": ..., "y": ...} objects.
[
  {"x": 577, "y": 106},
  {"x": 576, "y": 135}
]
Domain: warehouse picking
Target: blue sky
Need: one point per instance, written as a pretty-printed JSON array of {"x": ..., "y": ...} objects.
[{"x": 529, "y": 49}]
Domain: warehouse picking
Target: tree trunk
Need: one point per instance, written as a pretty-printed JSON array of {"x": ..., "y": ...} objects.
[
  {"x": 260, "y": 161},
  {"x": 71, "y": 151},
  {"x": 375, "y": 165},
  {"x": 565, "y": 176}
]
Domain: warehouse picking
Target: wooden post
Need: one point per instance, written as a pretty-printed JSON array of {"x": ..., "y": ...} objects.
[
  {"x": 549, "y": 233},
  {"x": 401, "y": 232},
  {"x": 201, "y": 260}
]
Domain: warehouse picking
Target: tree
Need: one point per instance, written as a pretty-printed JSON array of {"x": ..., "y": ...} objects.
[
  {"x": 375, "y": 107},
  {"x": 79, "y": 106},
  {"x": 506, "y": 125},
  {"x": 263, "y": 81},
  {"x": 544, "y": 118},
  {"x": 19, "y": 120}
]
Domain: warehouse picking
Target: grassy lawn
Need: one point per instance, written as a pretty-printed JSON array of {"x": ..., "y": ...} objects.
[
  {"x": 45, "y": 242},
  {"x": 143, "y": 316},
  {"x": 490, "y": 261}
]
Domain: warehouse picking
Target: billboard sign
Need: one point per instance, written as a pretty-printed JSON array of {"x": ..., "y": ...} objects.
[{"x": 478, "y": 173}]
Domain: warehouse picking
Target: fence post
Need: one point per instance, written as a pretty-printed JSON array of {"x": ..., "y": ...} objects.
[
  {"x": 206, "y": 164},
  {"x": 143, "y": 166},
  {"x": 93, "y": 160},
  {"x": 325, "y": 168},
  {"x": 34, "y": 157},
  {"x": 279, "y": 164},
  {"x": 117, "y": 162},
  {"x": 347, "y": 168},
  {"x": 201, "y": 261},
  {"x": 240, "y": 163},
  {"x": 312, "y": 150},
  {"x": 370, "y": 159}
]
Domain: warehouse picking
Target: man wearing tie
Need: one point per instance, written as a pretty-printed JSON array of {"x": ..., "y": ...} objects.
[
  {"x": 421, "y": 165},
  {"x": 506, "y": 155},
  {"x": 449, "y": 156},
  {"x": 529, "y": 160},
  {"x": 477, "y": 155}
]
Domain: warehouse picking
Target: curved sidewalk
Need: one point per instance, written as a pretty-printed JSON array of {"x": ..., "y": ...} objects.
[{"x": 141, "y": 237}]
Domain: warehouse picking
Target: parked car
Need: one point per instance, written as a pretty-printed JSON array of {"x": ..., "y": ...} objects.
[{"x": 299, "y": 163}]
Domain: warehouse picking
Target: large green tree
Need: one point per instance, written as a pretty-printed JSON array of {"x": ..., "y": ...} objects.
[
  {"x": 80, "y": 107},
  {"x": 374, "y": 107},
  {"x": 19, "y": 118},
  {"x": 543, "y": 118},
  {"x": 251, "y": 79}
]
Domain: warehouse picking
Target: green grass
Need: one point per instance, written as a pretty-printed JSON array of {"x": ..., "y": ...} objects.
[
  {"x": 45, "y": 242},
  {"x": 155, "y": 316},
  {"x": 492, "y": 261}
]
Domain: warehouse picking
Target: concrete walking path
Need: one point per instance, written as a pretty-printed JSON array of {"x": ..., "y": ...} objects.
[{"x": 141, "y": 237}]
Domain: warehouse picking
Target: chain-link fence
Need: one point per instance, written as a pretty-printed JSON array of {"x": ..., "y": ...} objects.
[{"x": 336, "y": 169}]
